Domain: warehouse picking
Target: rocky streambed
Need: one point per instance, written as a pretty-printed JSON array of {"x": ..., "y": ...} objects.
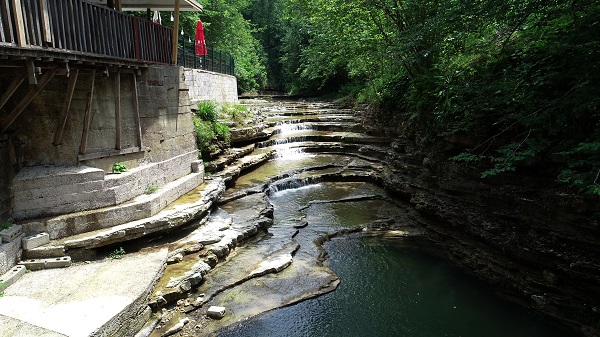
[{"x": 312, "y": 171}]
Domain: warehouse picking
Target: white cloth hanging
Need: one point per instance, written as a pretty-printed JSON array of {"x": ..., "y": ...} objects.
[{"x": 156, "y": 17}]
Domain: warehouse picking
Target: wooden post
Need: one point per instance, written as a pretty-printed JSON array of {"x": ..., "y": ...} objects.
[
  {"x": 86, "y": 118},
  {"x": 6, "y": 123},
  {"x": 175, "y": 33},
  {"x": 119, "y": 4},
  {"x": 30, "y": 65},
  {"x": 136, "y": 109},
  {"x": 66, "y": 106},
  {"x": 118, "y": 110},
  {"x": 19, "y": 24},
  {"x": 46, "y": 33}
]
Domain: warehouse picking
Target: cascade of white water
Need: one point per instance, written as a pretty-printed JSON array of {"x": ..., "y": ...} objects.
[{"x": 283, "y": 146}]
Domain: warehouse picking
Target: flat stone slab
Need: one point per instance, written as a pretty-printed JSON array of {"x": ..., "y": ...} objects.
[
  {"x": 11, "y": 276},
  {"x": 99, "y": 298},
  {"x": 11, "y": 233},
  {"x": 53, "y": 262},
  {"x": 34, "y": 241}
]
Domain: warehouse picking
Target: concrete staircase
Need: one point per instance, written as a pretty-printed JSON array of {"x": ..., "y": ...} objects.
[
  {"x": 54, "y": 190},
  {"x": 74, "y": 210}
]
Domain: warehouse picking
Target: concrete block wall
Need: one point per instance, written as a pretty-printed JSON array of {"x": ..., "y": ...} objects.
[
  {"x": 168, "y": 141},
  {"x": 209, "y": 86}
]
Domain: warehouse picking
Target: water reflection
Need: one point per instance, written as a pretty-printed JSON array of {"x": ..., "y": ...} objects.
[{"x": 390, "y": 289}]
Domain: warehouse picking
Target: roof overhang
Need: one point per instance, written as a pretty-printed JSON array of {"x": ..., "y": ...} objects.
[{"x": 159, "y": 5}]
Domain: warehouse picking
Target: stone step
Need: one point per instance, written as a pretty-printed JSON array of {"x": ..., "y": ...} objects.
[
  {"x": 37, "y": 177},
  {"x": 34, "y": 241},
  {"x": 62, "y": 204},
  {"x": 192, "y": 205},
  {"x": 46, "y": 263},
  {"x": 11, "y": 276},
  {"x": 11, "y": 233},
  {"x": 143, "y": 206}
]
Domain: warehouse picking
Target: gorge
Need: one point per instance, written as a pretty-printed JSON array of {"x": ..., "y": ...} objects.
[{"x": 313, "y": 172}]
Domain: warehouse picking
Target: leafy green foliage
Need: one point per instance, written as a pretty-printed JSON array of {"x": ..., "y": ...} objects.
[
  {"x": 212, "y": 136},
  {"x": 235, "y": 113},
  {"x": 152, "y": 188},
  {"x": 117, "y": 254},
  {"x": 119, "y": 167},
  {"x": 207, "y": 111},
  {"x": 6, "y": 224},
  {"x": 521, "y": 77}
]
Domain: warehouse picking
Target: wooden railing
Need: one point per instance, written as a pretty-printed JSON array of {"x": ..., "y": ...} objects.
[{"x": 78, "y": 26}]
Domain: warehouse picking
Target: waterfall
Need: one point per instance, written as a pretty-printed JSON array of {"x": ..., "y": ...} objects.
[
  {"x": 292, "y": 183},
  {"x": 286, "y": 128}
]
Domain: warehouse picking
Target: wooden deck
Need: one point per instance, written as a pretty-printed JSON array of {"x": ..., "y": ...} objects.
[{"x": 78, "y": 30}]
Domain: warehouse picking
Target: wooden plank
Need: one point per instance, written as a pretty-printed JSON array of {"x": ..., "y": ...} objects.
[
  {"x": 65, "y": 108},
  {"x": 37, "y": 16},
  {"x": 88, "y": 111},
  {"x": 11, "y": 90},
  {"x": 136, "y": 110},
  {"x": 30, "y": 66},
  {"x": 8, "y": 21},
  {"x": 88, "y": 36},
  {"x": 46, "y": 34},
  {"x": 175, "y": 33},
  {"x": 55, "y": 25},
  {"x": 19, "y": 23},
  {"x": 60, "y": 6},
  {"x": 118, "y": 110},
  {"x": 33, "y": 92}
]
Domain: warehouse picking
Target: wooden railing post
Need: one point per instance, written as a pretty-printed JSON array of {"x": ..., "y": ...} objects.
[
  {"x": 46, "y": 33},
  {"x": 175, "y": 33},
  {"x": 19, "y": 24}
]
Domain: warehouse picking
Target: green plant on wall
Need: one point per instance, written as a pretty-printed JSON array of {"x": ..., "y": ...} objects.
[
  {"x": 119, "y": 167},
  {"x": 1, "y": 288},
  {"x": 151, "y": 188},
  {"x": 117, "y": 254},
  {"x": 6, "y": 224},
  {"x": 212, "y": 136}
]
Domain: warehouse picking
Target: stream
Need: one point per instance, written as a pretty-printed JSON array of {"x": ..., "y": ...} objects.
[{"x": 342, "y": 257}]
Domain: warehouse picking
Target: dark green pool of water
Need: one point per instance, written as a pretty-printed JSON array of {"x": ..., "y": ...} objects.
[{"x": 391, "y": 289}]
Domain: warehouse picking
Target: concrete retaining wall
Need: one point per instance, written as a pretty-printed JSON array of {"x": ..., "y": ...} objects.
[
  {"x": 168, "y": 143},
  {"x": 208, "y": 86}
]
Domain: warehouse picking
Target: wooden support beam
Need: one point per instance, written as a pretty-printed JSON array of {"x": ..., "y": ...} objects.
[
  {"x": 88, "y": 111},
  {"x": 12, "y": 157},
  {"x": 19, "y": 23},
  {"x": 175, "y": 33},
  {"x": 46, "y": 32},
  {"x": 65, "y": 109},
  {"x": 31, "y": 71},
  {"x": 136, "y": 109},
  {"x": 118, "y": 110},
  {"x": 33, "y": 92},
  {"x": 119, "y": 5},
  {"x": 11, "y": 89}
]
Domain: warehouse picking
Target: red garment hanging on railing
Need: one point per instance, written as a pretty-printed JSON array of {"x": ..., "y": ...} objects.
[{"x": 200, "y": 43}]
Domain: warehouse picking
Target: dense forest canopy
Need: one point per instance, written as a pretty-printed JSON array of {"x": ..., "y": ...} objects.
[{"x": 519, "y": 78}]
